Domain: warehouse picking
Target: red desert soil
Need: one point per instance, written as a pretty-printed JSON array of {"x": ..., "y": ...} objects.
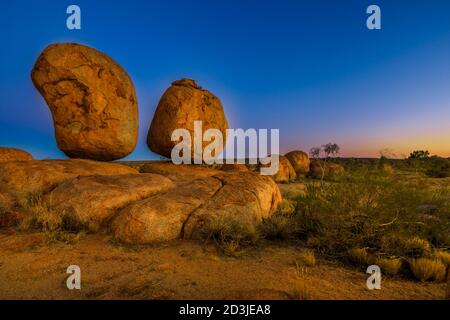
[{"x": 31, "y": 267}]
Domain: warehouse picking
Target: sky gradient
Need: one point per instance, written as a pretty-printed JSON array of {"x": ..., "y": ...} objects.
[{"x": 310, "y": 68}]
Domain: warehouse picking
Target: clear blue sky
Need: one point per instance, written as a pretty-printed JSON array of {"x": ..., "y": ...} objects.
[{"x": 310, "y": 68}]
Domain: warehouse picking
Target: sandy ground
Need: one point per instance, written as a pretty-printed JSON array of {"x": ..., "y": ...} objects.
[{"x": 33, "y": 268}]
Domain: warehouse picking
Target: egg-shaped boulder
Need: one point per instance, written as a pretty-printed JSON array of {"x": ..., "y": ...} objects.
[
  {"x": 92, "y": 100},
  {"x": 183, "y": 103}
]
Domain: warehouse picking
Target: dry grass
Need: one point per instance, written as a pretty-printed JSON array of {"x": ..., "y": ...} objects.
[
  {"x": 301, "y": 289},
  {"x": 358, "y": 256},
  {"x": 278, "y": 227},
  {"x": 286, "y": 206},
  {"x": 231, "y": 235},
  {"x": 389, "y": 266},
  {"x": 443, "y": 256},
  {"x": 28, "y": 200},
  {"x": 416, "y": 247},
  {"x": 308, "y": 258},
  {"x": 425, "y": 269}
]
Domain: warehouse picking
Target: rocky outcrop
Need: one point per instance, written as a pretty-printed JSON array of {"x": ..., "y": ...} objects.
[
  {"x": 187, "y": 209},
  {"x": 92, "y": 100},
  {"x": 246, "y": 197},
  {"x": 162, "y": 217},
  {"x": 13, "y": 154},
  {"x": 299, "y": 161},
  {"x": 163, "y": 202},
  {"x": 23, "y": 177},
  {"x": 234, "y": 167},
  {"x": 179, "y": 173},
  {"x": 182, "y": 104},
  {"x": 90, "y": 202}
]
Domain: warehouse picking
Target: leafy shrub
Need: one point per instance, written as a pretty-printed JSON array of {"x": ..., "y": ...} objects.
[
  {"x": 425, "y": 269},
  {"x": 438, "y": 167}
]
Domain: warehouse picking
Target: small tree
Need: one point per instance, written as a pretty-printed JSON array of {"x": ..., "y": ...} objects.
[
  {"x": 418, "y": 157},
  {"x": 315, "y": 154},
  {"x": 331, "y": 149},
  {"x": 419, "y": 154}
]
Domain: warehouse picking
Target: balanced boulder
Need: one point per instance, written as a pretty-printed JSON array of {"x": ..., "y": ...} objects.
[
  {"x": 299, "y": 161},
  {"x": 92, "y": 100},
  {"x": 13, "y": 154},
  {"x": 180, "y": 106}
]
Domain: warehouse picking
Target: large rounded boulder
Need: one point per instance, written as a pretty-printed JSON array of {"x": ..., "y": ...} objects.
[
  {"x": 286, "y": 172},
  {"x": 92, "y": 100},
  {"x": 13, "y": 154},
  {"x": 299, "y": 161},
  {"x": 181, "y": 105}
]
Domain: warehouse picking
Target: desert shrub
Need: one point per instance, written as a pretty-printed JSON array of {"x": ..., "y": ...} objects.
[
  {"x": 425, "y": 269},
  {"x": 43, "y": 217},
  {"x": 279, "y": 226},
  {"x": 443, "y": 256},
  {"x": 358, "y": 256},
  {"x": 438, "y": 167},
  {"x": 230, "y": 234},
  {"x": 365, "y": 209},
  {"x": 389, "y": 266},
  {"x": 286, "y": 206},
  {"x": 415, "y": 247}
]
